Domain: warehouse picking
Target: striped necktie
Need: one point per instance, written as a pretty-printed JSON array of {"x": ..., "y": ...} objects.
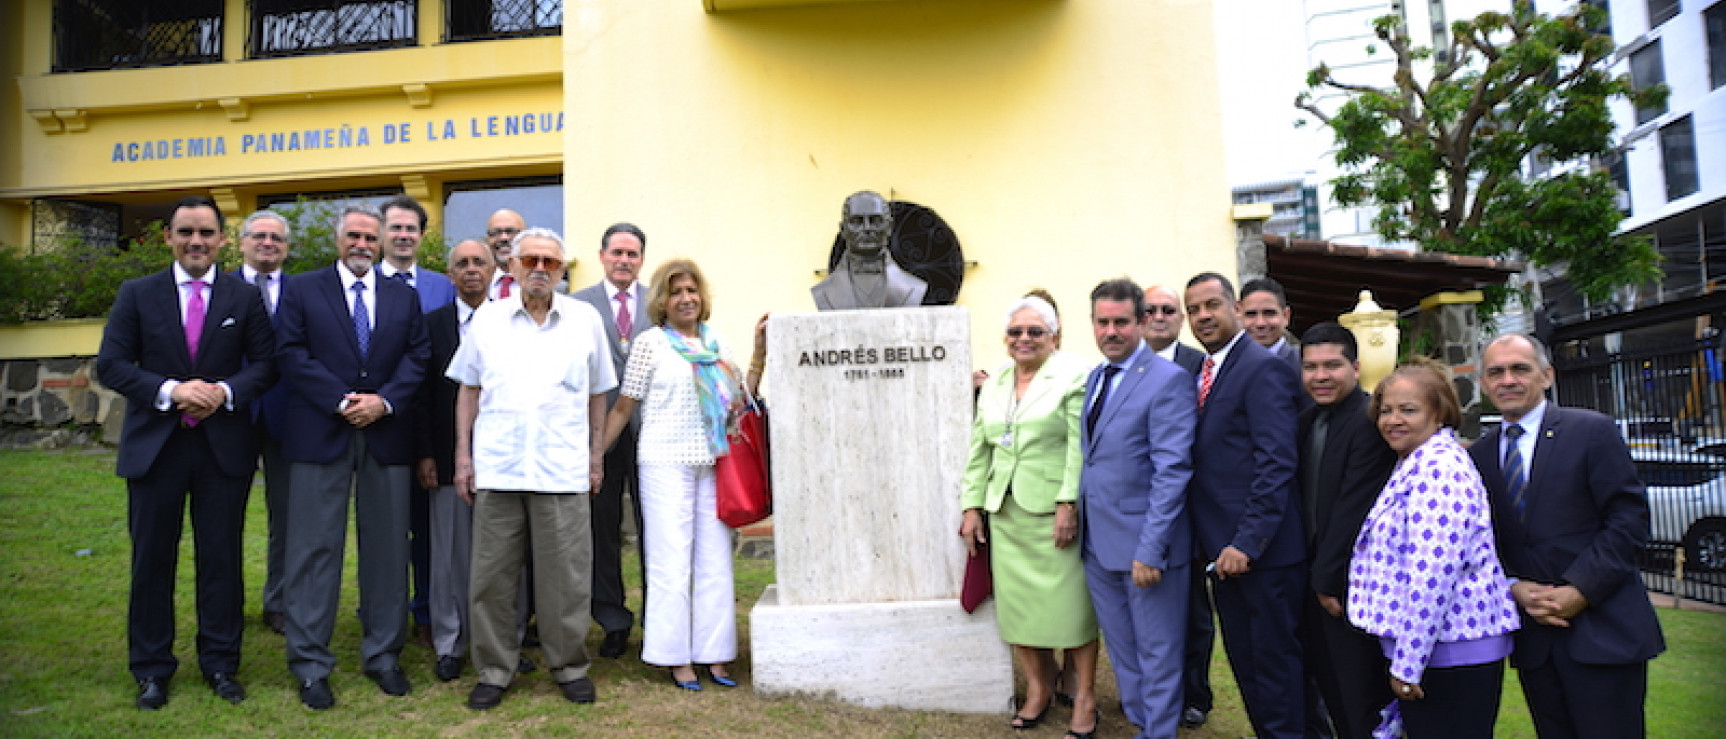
[{"x": 1515, "y": 476}]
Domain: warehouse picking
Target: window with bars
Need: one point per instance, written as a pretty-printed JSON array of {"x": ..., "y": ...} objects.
[
  {"x": 60, "y": 224},
  {"x": 290, "y": 27},
  {"x": 110, "y": 34},
  {"x": 473, "y": 20}
]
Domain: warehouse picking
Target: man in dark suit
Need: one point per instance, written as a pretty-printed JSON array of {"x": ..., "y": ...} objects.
[
  {"x": 620, "y": 299},
  {"x": 1569, "y": 515},
  {"x": 354, "y": 346},
  {"x": 190, "y": 348},
  {"x": 1137, "y": 436},
  {"x": 1163, "y": 321},
  {"x": 451, "y": 519},
  {"x": 1344, "y": 463},
  {"x": 1265, "y": 315},
  {"x": 404, "y": 229},
  {"x": 1245, "y": 507},
  {"x": 265, "y": 240}
]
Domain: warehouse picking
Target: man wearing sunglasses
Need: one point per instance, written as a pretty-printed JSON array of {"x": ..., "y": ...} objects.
[
  {"x": 354, "y": 346},
  {"x": 534, "y": 372}
]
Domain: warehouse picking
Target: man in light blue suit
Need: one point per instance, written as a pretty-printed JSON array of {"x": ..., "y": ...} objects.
[{"x": 1138, "y": 435}]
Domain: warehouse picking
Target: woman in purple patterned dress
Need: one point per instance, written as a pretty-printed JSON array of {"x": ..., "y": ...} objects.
[{"x": 1425, "y": 577}]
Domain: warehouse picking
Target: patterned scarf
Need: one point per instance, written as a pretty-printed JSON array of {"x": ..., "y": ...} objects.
[{"x": 715, "y": 386}]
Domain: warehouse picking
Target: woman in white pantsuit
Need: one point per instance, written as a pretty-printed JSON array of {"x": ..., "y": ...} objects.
[{"x": 678, "y": 376}]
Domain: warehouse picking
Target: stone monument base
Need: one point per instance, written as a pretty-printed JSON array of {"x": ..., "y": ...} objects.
[{"x": 920, "y": 655}]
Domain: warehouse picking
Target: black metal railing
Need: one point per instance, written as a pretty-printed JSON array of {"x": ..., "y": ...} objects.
[
  {"x": 110, "y": 34},
  {"x": 1668, "y": 399},
  {"x": 474, "y": 20},
  {"x": 292, "y": 27}
]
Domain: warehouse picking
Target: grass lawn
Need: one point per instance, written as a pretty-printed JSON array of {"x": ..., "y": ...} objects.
[{"x": 64, "y": 562}]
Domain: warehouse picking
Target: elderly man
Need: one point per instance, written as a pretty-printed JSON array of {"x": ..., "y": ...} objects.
[
  {"x": 621, "y": 297},
  {"x": 190, "y": 349},
  {"x": 534, "y": 373},
  {"x": 1569, "y": 515},
  {"x": 867, "y": 276},
  {"x": 1163, "y": 328},
  {"x": 354, "y": 346},
  {"x": 500, "y": 232},
  {"x": 264, "y": 242},
  {"x": 450, "y": 519}
]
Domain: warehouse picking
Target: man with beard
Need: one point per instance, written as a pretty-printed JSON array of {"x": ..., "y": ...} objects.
[{"x": 354, "y": 346}]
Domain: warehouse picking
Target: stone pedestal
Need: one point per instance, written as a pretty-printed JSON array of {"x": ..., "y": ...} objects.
[{"x": 871, "y": 428}]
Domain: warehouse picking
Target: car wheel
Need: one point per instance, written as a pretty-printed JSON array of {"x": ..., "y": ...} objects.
[{"x": 1705, "y": 545}]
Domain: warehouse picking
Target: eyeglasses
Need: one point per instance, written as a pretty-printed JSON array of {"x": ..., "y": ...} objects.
[
  {"x": 502, "y": 231},
  {"x": 1033, "y": 332},
  {"x": 1167, "y": 310},
  {"x": 535, "y": 261}
]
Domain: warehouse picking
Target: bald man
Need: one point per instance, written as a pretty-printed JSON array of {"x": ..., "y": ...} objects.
[
  {"x": 1163, "y": 328},
  {"x": 500, "y": 232}
]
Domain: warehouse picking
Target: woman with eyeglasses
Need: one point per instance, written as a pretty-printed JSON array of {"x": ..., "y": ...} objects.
[
  {"x": 686, "y": 388},
  {"x": 1024, "y": 473}
]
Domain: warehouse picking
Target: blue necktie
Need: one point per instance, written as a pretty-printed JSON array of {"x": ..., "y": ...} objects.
[
  {"x": 1091, "y": 418},
  {"x": 1515, "y": 477},
  {"x": 402, "y": 277},
  {"x": 362, "y": 319}
]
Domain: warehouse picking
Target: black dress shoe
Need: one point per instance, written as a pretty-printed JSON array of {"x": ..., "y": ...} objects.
[
  {"x": 523, "y": 664},
  {"x": 485, "y": 696},
  {"x": 579, "y": 690},
  {"x": 392, "y": 681},
  {"x": 226, "y": 686},
  {"x": 448, "y": 668},
  {"x": 615, "y": 644},
  {"x": 276, "y": 621},
  {"x": 316, "y": 694},
  {"x": 1192, "y": 718},
  {"x": 152, "y": 693}
]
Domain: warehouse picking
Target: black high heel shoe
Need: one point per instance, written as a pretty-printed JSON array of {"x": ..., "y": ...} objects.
[
  {"x": 1026, "y": 723},
  {"x": 1076, "y": 734}
]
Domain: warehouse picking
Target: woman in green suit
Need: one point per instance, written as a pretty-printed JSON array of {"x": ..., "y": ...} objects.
[{"x": 1024, "y": 471}]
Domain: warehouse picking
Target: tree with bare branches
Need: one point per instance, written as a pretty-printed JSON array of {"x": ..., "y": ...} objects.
[{"x": 1440, "y": 151}]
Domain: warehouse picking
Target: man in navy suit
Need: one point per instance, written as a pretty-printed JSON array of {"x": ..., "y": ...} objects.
[
  {"x": 1569, "y": 515},
  {"x": 354, "y": 346},
  {"x": 1245, "y": 507},
  {"x": 1265, "y": 315},
  {"x": 265, "y": 239},
  {"x": 1137, "y": 436},
  {"x": 190, "y": 348},
  {"x": 1344, "y": 463},
  {"x": 620, "y": 292},
  {"x": 404, "y": 229},
  {"x": 1163, "y": 321}
]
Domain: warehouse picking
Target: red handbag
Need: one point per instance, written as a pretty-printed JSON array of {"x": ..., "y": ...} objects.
[{"x": 743, "y": 476}]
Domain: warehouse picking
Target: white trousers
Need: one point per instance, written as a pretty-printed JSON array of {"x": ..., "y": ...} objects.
[{"x": 692, "y": 615}]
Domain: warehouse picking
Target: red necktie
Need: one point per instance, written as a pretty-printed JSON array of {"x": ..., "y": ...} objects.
[
  {"x": 503, "y": 286},
  {"x": 625, "y": 322},
  {"x": 1207, "y": 377}
]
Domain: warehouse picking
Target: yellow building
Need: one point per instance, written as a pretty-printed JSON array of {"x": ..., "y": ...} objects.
[{"x": 1064, "y": 141}]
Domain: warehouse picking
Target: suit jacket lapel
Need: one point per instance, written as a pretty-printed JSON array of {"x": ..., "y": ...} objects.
[
  {"x": 1549, "y": 429},
  {"x": 1129, "y": 381},
  {"x": 336, "y": 293}
]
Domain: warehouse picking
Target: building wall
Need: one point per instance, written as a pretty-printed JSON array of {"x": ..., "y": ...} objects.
[
  {"x": 1684, "y": 50},
  {"x": 1064, "y": 142}
]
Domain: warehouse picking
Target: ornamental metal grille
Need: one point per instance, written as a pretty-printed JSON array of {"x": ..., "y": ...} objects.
[
  {"x": 472, "y": 20},
  {"x": 108, "y": 34},
  {"x": 290, "y": 27},
  {"x": 63, "y": 224}
]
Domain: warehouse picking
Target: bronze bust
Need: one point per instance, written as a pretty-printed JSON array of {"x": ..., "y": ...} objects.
[{"x": 867, "y": 276}]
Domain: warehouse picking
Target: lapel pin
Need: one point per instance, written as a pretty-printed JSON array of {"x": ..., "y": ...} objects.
[
  {"x": 1549, "y": 433},
  {"x": 228, "y": 322}
]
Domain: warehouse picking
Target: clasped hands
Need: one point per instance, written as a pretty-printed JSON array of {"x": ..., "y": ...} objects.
[
  {"x": 363, "y": 409},
  {"x": 197, "y": 398},
  {"x": 1552, "y": 605}
]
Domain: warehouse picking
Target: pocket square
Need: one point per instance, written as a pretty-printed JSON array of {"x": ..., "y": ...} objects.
[{"x": 229, "y": 321}]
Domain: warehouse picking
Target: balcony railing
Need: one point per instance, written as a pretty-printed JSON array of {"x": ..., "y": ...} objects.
[
  {"x": 291, "y": 27},
  {"x": 473, "y": 20},
  {"x": 108, "y": 34}
]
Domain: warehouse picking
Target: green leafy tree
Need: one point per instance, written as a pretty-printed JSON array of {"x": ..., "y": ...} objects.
[{"x": 1439, "y": 152}]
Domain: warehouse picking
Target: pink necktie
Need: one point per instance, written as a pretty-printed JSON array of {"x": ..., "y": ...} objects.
[
  {"x": 1205, "y": 380},
  {"x": 625, "y": 322},
  {"x": 194, "y": 332}
]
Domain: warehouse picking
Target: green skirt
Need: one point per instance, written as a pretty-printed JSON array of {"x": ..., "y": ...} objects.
[{"x": 1040, "y": 594}]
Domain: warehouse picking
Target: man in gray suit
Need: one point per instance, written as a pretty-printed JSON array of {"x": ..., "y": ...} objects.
[{"x": 619, "y": 298}]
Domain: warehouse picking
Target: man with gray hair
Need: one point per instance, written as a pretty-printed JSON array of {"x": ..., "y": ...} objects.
[
  {"x": 534, "y": 371},
  {"x": 354, "y": 346},
  {"x": 264, "y": 242}
]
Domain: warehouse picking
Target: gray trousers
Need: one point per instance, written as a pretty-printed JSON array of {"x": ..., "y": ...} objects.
[
  {"x": 451, "y": 556},
  {"x": 276, "y": 507},
  {"x": 317, "y": 534},
  {"x": 556, "y": 528}
]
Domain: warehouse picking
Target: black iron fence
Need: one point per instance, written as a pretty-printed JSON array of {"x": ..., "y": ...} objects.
[
  {"x": 110, "y": 34},
  {"x": 289, "y": 27},
  {"x": 1668, "y": 400},
  {"x": 473, "y": 20}
]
